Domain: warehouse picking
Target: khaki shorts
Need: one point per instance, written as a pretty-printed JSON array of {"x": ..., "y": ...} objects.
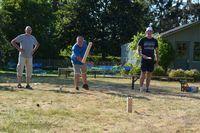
[
  {"x": 27, "y": 62},
  {"x": 79, "y": 69}
]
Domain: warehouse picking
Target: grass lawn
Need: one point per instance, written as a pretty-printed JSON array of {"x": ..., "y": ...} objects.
[{"x": 101, "y": 109}]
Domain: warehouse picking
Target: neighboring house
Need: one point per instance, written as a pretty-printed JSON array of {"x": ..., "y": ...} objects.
[
  {"x": 127, "y": 54},
  {"x": 185, "y": 40}
]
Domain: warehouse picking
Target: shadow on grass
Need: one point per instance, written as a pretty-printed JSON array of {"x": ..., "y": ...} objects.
[
  {"x": 66, "y": 92},
  {"x": 9, "y": 88},
  {"x": 167, "y": 91},
  {"x": 108, "y": 87},
  {"x": 180, "y": 94},
  {"x": 11, "y": 78},
  {"x": 128, "y": 95}
]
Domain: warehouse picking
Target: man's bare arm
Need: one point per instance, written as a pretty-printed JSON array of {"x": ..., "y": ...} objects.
[
  {"x": 14, "y": 43},
  {"x": 35, "y": 48}
]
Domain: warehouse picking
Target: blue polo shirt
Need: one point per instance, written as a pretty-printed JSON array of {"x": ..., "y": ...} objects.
[{"x": 78, "y": 51}]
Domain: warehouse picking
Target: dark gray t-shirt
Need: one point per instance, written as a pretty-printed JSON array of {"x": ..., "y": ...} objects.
[
  {"x": 148, "y": 46},
  {"x": 27, "y": 43}
]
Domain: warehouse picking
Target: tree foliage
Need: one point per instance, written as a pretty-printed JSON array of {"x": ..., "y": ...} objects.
[
  {"x": 168, "y": 14},
  {"x": 108, "y": 23},
  {"x": 37, "y": 14},
  {"x": 166, "y": 53}
]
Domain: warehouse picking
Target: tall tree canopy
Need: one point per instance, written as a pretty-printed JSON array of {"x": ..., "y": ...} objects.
[
  {"x": 168, "y": 14},
  {"x": 37, "y": 14},
  {"x": 109, "y": 23}
]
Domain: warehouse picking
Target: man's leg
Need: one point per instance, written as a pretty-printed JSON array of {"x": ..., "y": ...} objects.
[
  {"x": 148, "y": 80},
  {"x": 142, "y": 78},
  {"x": 76, "y": 75},
  {"x": 143, "y": 74},
  {"x": 76, "y": 80},
  {"x": 20, "y": 69},
  {"x": 29, "y": 69},
  {"x": 84, "y": 77},
  {"x": 149, "y": 74}
]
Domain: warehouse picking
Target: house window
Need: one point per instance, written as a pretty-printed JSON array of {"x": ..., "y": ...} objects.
[
  {"x": 181, "y": 49},
  {"x": 196, "y": 52}
]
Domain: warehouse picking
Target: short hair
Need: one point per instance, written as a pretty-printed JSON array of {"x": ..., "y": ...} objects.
[{"x": 79, "y": 37}]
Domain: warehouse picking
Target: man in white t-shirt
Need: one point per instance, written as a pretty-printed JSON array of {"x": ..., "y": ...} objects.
[{"x": 28, "y": 46}]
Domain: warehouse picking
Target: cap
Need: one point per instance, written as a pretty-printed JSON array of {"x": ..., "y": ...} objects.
[{"x": 149, "y": 29}]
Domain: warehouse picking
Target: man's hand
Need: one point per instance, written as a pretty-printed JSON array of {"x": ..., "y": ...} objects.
[
  {"x": 35, "y": 48},
  {"x": 33, "y": 52},
  {"x": 21, "y": 50},
  {"x": 79, "y": 58},
  {"x": 146, "y": 57},
  {"x": 90, "y": 43}
]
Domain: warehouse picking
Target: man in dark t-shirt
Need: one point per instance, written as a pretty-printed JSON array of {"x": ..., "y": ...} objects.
[{"x": 147, "y": 48}]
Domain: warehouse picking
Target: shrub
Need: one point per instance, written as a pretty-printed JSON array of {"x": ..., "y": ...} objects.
[
  {"x": 166, "y": 53},
  {"x": 193, "y": 73},
  {"x": 177, "y": 73},
  {"x": 135, "y": 70},
  {"x": 159, "y": 71},
  {"x": 124, "y": 72},
  {"x": 98, "y": 59}
]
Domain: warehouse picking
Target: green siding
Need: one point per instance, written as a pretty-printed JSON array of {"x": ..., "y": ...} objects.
[{"x": 190, "y": 35}]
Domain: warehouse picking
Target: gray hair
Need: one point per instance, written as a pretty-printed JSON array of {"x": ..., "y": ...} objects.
[{"x": 79, "y": 37}]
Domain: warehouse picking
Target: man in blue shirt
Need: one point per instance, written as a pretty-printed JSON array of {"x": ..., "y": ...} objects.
[
  {"x": 147, "y": 46},
  {"x": 78, "y": 51}
]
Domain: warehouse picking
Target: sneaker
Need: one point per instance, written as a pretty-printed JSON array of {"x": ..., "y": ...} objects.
[
  {"x": 19, "y": 86},
  {"x": 29, "y": 87},
  {"x": 147, "y": 90},
  {"x": 85, "y": 86},
  {"x": 77, "y": 88}
]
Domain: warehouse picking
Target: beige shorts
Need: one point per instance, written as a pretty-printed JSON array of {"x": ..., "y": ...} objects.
[
  {"x": 79, "y": 69},
  {"x": 27, "y": 62}
]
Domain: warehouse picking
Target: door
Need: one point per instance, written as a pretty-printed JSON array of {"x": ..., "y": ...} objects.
[{"x": 182, "y": 55}]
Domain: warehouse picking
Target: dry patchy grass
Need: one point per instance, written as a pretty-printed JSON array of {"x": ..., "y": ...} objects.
[{"x": 102, "y": 109}]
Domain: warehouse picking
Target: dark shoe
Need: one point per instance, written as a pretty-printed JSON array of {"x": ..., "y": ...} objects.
[
  {"x": 147, "y": 90},
  {"x": 29, "y": 87},
  {"x": 19, "y": 86},
  {"x": 77, "y": 88},
  {"x": 85, "y": 86}
]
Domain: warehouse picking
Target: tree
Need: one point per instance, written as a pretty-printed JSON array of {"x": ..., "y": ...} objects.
[
  {"x": 168, "y": 14},
  {"x": 37, "y": 14},
  {"x": 5, "y": 46},
  {"x": 108, "y": 23}
]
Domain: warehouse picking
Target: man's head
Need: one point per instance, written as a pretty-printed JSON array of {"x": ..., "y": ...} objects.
[
  {"x": 28, "y": 30},
  {"x": 149, "y": 32},
  {"x": 79, "y": 41}
]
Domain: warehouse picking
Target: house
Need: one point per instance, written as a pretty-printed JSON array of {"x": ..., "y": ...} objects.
[{"x": 185, "y": 40}]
